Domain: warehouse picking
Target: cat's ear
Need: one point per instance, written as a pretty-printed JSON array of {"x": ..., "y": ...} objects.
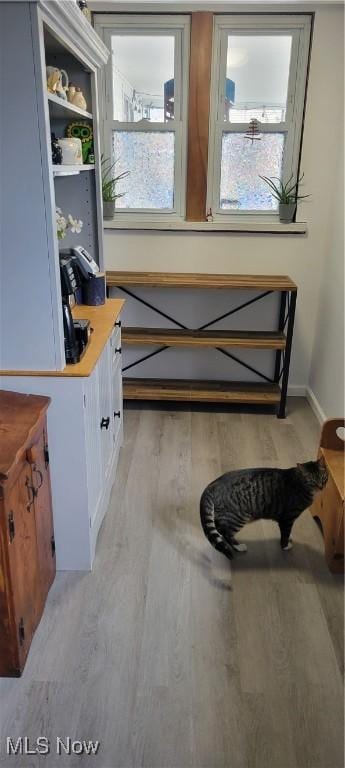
[{"x": 301, "y": 467}]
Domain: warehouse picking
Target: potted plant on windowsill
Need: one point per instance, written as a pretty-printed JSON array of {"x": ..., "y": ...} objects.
[
  {"x": 286, "y": 194},
  {"x": 109, "y": 183}
]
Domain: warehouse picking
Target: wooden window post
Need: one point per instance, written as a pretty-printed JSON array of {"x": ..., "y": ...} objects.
[{"x": 198, "y": 114}]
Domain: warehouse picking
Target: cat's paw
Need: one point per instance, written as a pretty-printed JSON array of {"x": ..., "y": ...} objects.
[
  {"x": 240, "y": 547},
  {"x": 288, "y": 546}
]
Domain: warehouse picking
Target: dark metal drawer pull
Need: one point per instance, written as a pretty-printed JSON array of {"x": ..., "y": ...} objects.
[
  {"x": 117, "y": 413},
  {"x": 118, "y": 324},
  {"x": 11, "y": 527},
  {"x": 118, "y": 350},
  {"x": 33, "y": 490},
  {"x": 40, "y": 477},
  {"x": 105, "y": 422},
  {"x": 21, "y": 631}
]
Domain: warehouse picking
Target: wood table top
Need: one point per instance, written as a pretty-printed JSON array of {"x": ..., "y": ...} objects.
[
  {"x": 102, "y": 320},
  {"x": 19, "y": 415},
  {"x": 200, "y": 280}
]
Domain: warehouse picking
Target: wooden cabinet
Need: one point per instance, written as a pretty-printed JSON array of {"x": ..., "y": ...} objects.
[
  {"x": 263, "y": 355},
  {"x": 27, "y": 547},
  {"x": 328, "y": 506}
]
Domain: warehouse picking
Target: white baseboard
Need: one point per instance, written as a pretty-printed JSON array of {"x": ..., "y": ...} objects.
[
  {"x": 297, "y": 390},
  {"x": 315, "y": 405}
]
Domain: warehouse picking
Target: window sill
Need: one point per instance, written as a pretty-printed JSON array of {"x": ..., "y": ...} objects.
[{"x": 250, "y": 227}]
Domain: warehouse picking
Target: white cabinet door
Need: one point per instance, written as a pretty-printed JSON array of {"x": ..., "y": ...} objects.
[
  {"x": 93, "y": 442},
  {"x": 116, "y": 381},
  {"x": 105, "y": 404},
  {"x": 117, "y": 398},
  {"x": 115, "y": 345}
]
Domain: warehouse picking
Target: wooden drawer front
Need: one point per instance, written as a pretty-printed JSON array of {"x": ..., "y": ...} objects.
[
  {"x": 23, "y": 560},
  {"x": 38, "y": 456},
  {"x": 9, "y": 659},
  {"x": 328, "y": 507}
]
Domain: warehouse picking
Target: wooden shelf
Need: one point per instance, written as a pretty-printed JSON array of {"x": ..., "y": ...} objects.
[
  {"x": 71, "y": 170},
  {"x": 181, "y": 338},
  {"x": 197, "y": 280},
  {"x": 201, "y": 391},
  {"x": 59, "y": 108}
]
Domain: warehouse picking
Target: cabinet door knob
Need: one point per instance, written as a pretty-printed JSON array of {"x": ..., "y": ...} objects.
[
  {"x": 105, "y": 422},
  {"x": 118, "y": 324},
  {"x": 32, "y": 454},
  {"x": 117, "y": 414},
  {"x": 118, "y": 350}
]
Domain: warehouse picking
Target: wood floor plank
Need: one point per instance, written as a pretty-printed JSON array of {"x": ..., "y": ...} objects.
[{"x": 168, "y": 654}]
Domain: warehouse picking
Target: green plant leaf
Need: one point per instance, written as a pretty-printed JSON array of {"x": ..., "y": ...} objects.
[
  {"x": 109, "y": 180},
  {"x": 284, "y": 192}
]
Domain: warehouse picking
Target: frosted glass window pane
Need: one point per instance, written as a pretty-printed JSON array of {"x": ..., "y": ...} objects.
[
  {"x": 242, "y": 163},
  {"x": 257, "y": 76},
  {"x": 149, "y": 157},
  {"x": 143, "y": 77}
]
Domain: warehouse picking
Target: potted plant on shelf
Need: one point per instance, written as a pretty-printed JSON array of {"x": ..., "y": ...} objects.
[
  {"x": 109, "y": 184},
  {"x": 286, "y": 194}
]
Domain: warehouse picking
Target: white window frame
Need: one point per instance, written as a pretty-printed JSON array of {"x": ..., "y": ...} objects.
[
  {"x": 300, "y": 29},
  {"x": 177, "y": 26}
]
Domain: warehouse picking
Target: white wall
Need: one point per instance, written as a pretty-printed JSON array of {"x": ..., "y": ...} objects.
[
  {"x": 304, "y": 258},
  {"x": 327, "y": 365}
]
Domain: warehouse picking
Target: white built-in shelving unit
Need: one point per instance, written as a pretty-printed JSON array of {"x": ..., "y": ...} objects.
[
  {"x": 85, "y": 415},
  {"x": 35, "y": 35}
]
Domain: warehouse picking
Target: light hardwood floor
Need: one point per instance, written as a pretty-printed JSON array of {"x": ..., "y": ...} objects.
[{"x": 167, "y": 654}]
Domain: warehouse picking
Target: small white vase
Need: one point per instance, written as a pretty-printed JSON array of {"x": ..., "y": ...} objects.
[
  {"x": 108, "y": 209},
  {"x": 287, "y": 212}
]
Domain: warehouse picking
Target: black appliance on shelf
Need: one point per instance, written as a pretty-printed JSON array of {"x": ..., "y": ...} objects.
[{"x": 76, "y": 332}]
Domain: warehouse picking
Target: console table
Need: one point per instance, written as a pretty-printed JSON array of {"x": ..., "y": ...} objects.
[{"x": 269, "y": 391}]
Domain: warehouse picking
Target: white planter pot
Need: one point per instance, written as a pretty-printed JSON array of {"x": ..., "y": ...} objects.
[
  {"x": 287, "y": 212},
  {"x": 108, "y": 209}
]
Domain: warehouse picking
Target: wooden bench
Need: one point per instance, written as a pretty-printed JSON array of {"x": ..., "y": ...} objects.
[{"x": 328, "y": 506}]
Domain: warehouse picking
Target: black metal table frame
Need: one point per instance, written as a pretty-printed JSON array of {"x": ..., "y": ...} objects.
[{"x": 286, "y": 321}]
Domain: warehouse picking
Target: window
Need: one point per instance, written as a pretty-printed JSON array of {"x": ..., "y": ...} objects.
[
  {"x": 145, "y": 108},
  {"x": 258, "y": 87},
  {"x": 197, "y": 108}
]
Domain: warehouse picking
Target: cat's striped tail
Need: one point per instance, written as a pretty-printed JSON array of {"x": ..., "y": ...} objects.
[{"x": 209, "y": 525}]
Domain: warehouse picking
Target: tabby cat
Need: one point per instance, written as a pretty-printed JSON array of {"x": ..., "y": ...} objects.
[{"x": 246, "y": 495}]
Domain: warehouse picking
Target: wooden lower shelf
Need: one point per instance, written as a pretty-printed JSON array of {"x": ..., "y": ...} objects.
[
  {"x": 201, "y": 391},
  {"x": 172, "y": 337}
]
